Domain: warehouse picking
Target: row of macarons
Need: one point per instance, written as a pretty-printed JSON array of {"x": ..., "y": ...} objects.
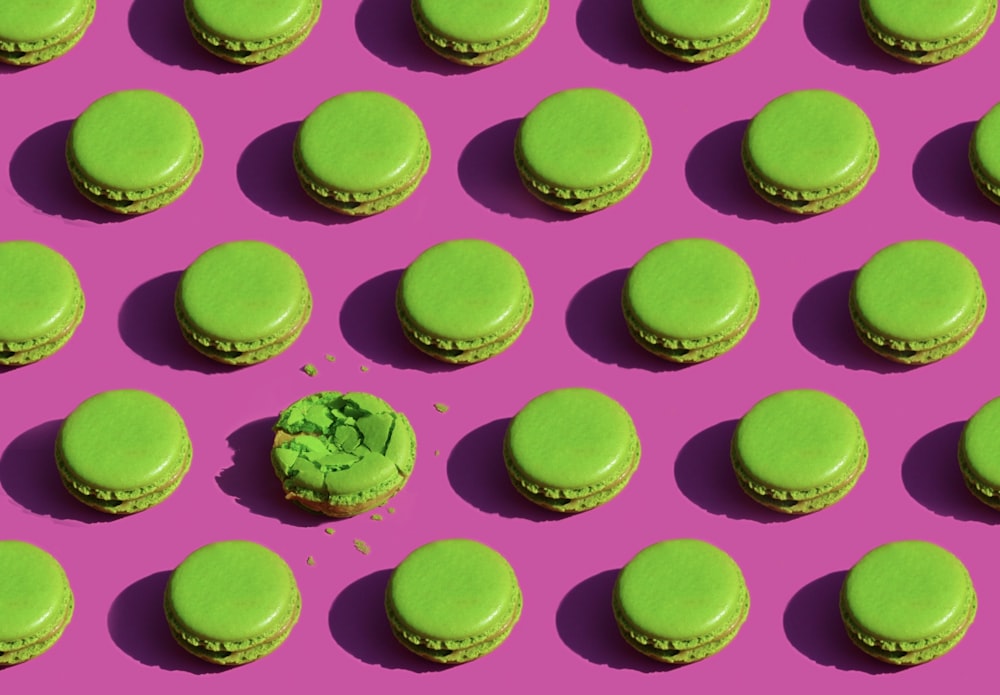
[
  {"x": 466, "y": 300},
  {"x": 454, "y": 600},
  {"x": 485, "y": 32}
]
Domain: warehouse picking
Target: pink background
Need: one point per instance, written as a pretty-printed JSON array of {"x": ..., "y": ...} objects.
[{"x": 684, "y": 487}]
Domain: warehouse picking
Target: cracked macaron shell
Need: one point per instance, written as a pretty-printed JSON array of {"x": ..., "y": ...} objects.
[
  {"x": 232, "y": 602},
  {"x": 927, "y": 31},
  {"x": 907, "y": 602},
  {"x": 979, "y": 453},
  {"x": 453, "y": 600},
  {"x": 41, "y": 301},
  {"x": 33, "y": 32},
  {"x": 479, "y": 33},
  {"x": 123, "y": 451},
  {"x": 699, "y": 32},
  {"x": 342, "y": 453},
  {"x": 251, "y": 32},
  {"x": 680, "y": 600},
  {"x": 464, "y": 300},
  {"x": 36, "y": 601},
  {"x": 571, "y": 449},
  {"x": 984, "y": 154}
]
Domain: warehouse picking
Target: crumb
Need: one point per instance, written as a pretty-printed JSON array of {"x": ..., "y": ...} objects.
[
  {"x": 364, "y": 367},
  {"x": 441, "y": 407},
  {"x": 391, "y": 510},
  {"x": 376, "y": 517},
  {"x": 437, "y": 452},
  {"x": 310, "y": 561},
  {"x": 309, "y": 369},
  {"x": 330, "y": 531},
  {"x": 331, "y": 358},
  {"x": 361, "y": 546}
]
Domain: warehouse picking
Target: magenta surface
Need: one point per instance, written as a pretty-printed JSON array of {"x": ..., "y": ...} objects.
[{"x": 684, "y": 487}]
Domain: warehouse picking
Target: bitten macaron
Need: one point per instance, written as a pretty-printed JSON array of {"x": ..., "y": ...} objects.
[
  {"x": 809, "y": 151},
  {"x": 917, "y": 302},
  {"x": 464, "y": 301},
  {"x": 453, "y": 600},
  {"x": 36, "y": 601},
  {"x": 123, "y": 451},
  {"x": 680, "y": 601},
  {"x": 251, "y": 33},
  {"x": 231, "y": 602},
  {"x": 571, "y": 449},
  {"x": 927, "y": 32},
  {"x": 41, "y": 302},
  {"x": 133, "y": 151},
  {"x": 798, "y": 451},
  {"x": 984, "y": 154},
  {"x": 907, "y": 602},
  {"x": 581, "y": 150},
  {"x": 242, "y": 302},
  {"x": 979, "y": 454},
  {"x": 689, "y": 300},
  {"x": 33, "y": 32},
  {"x": 695, "y": 31},
  {"x": 342, "y": 453},
  {"x": 479, "y": 32}
]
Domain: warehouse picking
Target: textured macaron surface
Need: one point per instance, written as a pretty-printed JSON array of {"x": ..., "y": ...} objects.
[
  {"x": 35, "y": 600},
  {"x": 702, "y": 23},
  {"x": 979, "y": 449},
  {"x": 485, "y": 23},
  {"x": 252, "y": 23},
  {"x": 35, "y": 23},
  {"x": 40, "y": 295},
  {"x": 927, "y": 21}
]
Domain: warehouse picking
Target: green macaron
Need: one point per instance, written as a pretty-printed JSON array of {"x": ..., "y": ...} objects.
[
  {"x": 571, "y": 449},
  {"x": 798, "y": 451},
  {"x": 689, "y": 300},
  {"x": 926, "y": 32},
  {"x": 133, "y": 151},
  {"x": 36, "y": 602},
  {"x": 917, "y": 302},
  {"x": 242, "y": 302},
  {"x": 695, "y": 31},
  {"x": 464, "y": 301},
  {"x": 342, "y": 453},
  {"x": 582, "y": 150},
  {"x": 907, "y": 602},
  {"x": 809, "y": 151},
  {"x": 231, "y": 602},
  {"x": 984, "y": 154},
  {"x": 360, "y": 153},
  {"x": 41, "y": 302},
  {"x": 453, "y": 600},
  {"x": 979, "y": 454},
  {"x": 479, "y": 32},
  {"x": 680, "y": 600},
  {"x": 123, "y": 451},
  {"x": 251, "y": 33},
  {"x": 33, "y": 32}
]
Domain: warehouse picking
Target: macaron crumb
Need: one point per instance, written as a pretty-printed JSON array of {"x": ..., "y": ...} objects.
[
  {"x": 309, "y": 369},
  {"x": 391, "y": 510},
  {"x": 310, "y": 560},
  {"x": 331, "y": 358},
  {"x": 437, "y": 452},
  {"x": 330, "y": 531},
  {"x": 441, "y": 407},
  {"x": 361, "y": 546},
  {"x": 376, "y": 517},
  {"x": 364, "y": 367}
]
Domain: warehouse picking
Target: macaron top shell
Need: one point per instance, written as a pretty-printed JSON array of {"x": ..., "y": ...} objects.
[
  {"x": 479, "y": 22},
  {"x": 39, "y": 293},
  {"x": 918, "y": 291},
  {"x": 928, "y": 20},
  {"x": 698, "y": 20},
  {"x": 980, "y": 443},
  {"x": 31, "y": 21},
  {"x": 253, "y": 21},
  {"x": 34, "y": 594}
]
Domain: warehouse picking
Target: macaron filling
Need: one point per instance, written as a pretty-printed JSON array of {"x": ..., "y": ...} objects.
[
  {"x": 699, "y": 47},
  {"x": 456, "y": 31},
  {"x": 907, "y": 31},
  {"x": 31, "y": 34},
  {"x": 223, "y": 30}
]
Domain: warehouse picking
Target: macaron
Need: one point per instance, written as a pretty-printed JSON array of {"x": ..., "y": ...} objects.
[
  {"x": 41, "y": 302},
  {"x": 231, "y": 602},
  {"x": 36, "y": 601},
  {"x": 582, "y": 150},
  {"x": 342, "y": 453},
  {"x": 926, "y": 32},
  {"x": 479, "y": 32},
  {"x": 251, "y": 33},
  {"x": 694, "y": 31},
  {"x": 907, "y": 602},
  {"x": 798, "y": 451},
  {"x": 917, "y": 302},
  {"x": 571, "y": 449},
  {"x": 984, "y": 154},
  {"x": 680, "y": 601},
  {"x": 464, "y": 301},
  {"x": 809, "y": 151},
  {"x": 979, "y": 454},
  {"x": 689, "y": 300},
  {"x": 33, "y": 32},
  {"x": 453, "y": 600},
  {"x": 360, "y": 153},
  {"x": 242, "y": 302},
  {"x": 122, "y": 451}
]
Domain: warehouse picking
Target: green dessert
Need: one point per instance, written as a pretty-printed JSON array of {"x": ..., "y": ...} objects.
[
  {"x": 41, "y": 302},
  {"x": 251, "y": 33},
  {"x": 33, "y": 32},
  {"x": 680, "y": 601},
  {"x": 582, "y": 150},
  {"x": 242, "y": 302},
  {"x": 571, "y": 449},
  {"x": 798, "y": 451},
  {"x": 917, "y": 302},
  {"x": 123, "y": 451},
  {"x": 452, "y": 601},
  {"x": 479, "y": 32},
  {"x": 133, "y": 151},
  {"x": 464, "y": 301},
  {"x": 979, "y": 454},
  {"x": 809, "y": 151},
  {"x": 927, "y": 32},
  {"x": 907, "y": 602},
  {"x": 342, "y": 453},
  {"x": 695, "y": 31},
  {"x": 984, "y": 154}
]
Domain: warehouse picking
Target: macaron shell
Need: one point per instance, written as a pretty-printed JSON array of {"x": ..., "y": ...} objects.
[
  {"x": 927, "y": 21},
  {"x": 252, "y": 23},
  {"x": 36, "y": 602},
  {"x": 479, "y": 24},
  {"x": 701, "y": 23},
  {"x": 984, "y": 154},
  {"x": 979, "y": 453}
]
